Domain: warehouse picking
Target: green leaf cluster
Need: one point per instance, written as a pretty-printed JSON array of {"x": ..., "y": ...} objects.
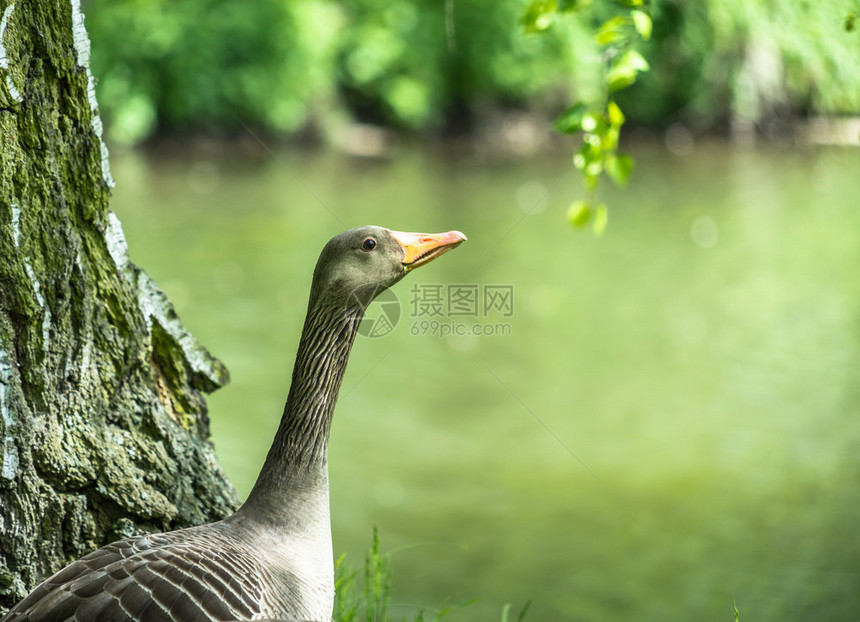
[
  {"x": 585, "y": 211},
  {"x": 598, "y": 152},
  {"x": 600, "y": 120}
]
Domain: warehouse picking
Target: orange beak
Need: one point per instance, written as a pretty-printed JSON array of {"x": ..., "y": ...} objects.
[{"x": 421, "y": 248}]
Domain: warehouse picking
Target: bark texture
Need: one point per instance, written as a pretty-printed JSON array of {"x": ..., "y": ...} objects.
[{"x": 103, "y": 425}]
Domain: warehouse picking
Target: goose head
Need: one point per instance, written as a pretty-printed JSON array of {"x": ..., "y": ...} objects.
[{"x": 358, "y": 264}]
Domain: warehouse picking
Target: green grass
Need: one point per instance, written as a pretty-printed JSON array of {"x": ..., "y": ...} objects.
[{"x": 368, "y": 599}]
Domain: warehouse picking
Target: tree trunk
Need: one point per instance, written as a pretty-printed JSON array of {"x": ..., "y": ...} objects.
[{"x": 103, "y": 425}]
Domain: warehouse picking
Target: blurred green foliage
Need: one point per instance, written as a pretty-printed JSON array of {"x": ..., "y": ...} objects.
[
  {"x": 169, "y": 65},
  {"x": 748, "y": 60},
  {"x": 283, "y": 66}
]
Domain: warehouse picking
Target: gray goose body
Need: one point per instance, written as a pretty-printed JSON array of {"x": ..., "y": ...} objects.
[
  {"x": 185, "y": 575},
  {"x": 272, "y": 559}
]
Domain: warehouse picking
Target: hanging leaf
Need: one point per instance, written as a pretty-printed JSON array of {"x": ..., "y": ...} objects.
[
  {"x": 634, "y": 60},
  {"x": 619, "y": 167},
  {"x": 625, "y": 69},
  {"x": 589, "y": 158},
  {"x": 570, "y": 121},
  {"x": 539, "y": 16},
  {"x": 612, "y": 30},
  {"x": 614, "y": 114},
  {"x": 642, "y": 23},
  {"x": 579, "y": 213},
  {"x": 594, "y": 123},
  {"x": 601, "y": 219},
  {"x": 593, "y": 169},
  {"x": 610, "y": 139},
  {"x": 620, "y": 77}
]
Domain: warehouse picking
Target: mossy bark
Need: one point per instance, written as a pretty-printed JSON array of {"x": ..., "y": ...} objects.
[{"x": 103, "y": 425}]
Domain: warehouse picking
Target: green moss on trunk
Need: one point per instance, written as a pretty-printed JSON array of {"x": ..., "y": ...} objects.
[{"x": 103, "y": 426}]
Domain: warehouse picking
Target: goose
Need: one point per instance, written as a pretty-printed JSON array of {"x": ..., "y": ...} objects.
[{"x": 272, "y": 559}]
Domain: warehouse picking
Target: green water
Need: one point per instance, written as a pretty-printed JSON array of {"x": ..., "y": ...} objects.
[{"x": 666, "y": 423}]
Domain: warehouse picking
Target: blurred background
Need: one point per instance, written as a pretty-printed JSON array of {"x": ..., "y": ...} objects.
[{"x": 667, "y": 420}]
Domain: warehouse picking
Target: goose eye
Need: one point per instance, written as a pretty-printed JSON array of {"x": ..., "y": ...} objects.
[{"x": 369, "y": 244}]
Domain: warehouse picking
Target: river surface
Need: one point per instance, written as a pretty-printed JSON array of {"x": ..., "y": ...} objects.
[{"x": 650, "y": 425}]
